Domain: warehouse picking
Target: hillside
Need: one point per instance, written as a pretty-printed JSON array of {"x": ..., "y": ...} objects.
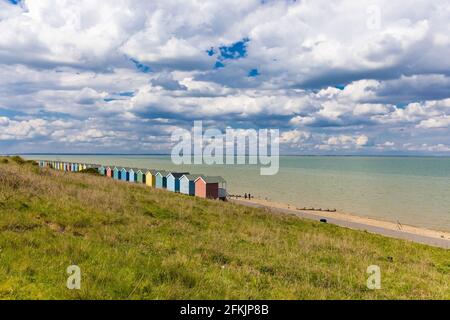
[{"x": 134, "y": 242}]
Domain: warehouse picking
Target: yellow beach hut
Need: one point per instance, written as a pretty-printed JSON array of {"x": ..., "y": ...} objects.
[{"x": 150, "y": 178}]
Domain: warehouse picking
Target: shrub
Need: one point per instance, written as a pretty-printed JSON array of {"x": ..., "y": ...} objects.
[{"x": 91, "y": 171}]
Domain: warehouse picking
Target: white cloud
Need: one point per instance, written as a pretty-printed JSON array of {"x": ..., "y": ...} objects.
[
  {"x": 294, "y": 137},
  {"x": 346, "y": 141},
  {"x": 19, "y": 130},
  {"x": 441, "y": 122}
]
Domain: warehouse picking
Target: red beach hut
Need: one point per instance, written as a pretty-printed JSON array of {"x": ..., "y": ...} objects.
[{"x": 209, "y": 187}]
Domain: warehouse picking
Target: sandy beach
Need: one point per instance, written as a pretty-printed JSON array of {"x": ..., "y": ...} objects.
[{"x": 386, "y": 228}]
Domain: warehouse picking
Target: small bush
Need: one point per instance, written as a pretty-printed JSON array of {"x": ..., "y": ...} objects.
[
  {"x": 4, "y": 160},
  {"x": 91, "y": 171}
]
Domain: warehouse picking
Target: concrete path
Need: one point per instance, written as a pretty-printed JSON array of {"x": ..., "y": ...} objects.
[{"x": 442, "y": 243}]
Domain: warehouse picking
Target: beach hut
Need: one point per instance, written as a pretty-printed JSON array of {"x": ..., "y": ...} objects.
[
  {"x": 84, "y": 166},
  {"x": 173, "y": 180},
  {"x": 161, "y": 180},
  {"x": 140, "y": 176},
  {"x": 208, "y": 187},
  {"x": 132, "y": 172},
  {"x": 116, "y": 173},
  {"x": 187, "y": 183},
  {"x": 124, "y": 175},
  {"x": 102, "y": 170},
  {"x": 109, "y": 172},
  {"x": 150, "y": 178}
]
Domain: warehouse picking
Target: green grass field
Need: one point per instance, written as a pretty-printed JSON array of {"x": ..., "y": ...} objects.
[{"x": 134, "y": 242}]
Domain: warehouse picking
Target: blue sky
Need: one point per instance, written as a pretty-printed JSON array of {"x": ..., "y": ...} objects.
[{"x": 358, "y": 77}]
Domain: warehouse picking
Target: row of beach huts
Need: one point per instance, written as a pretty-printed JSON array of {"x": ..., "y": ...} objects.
[{"x": 191, "y": 184}]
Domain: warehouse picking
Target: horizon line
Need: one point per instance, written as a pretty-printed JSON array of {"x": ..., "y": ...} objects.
[{"x": 283, "y": 155}]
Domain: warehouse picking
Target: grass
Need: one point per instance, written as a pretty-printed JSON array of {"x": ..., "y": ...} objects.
[{"x": 134, "y": 242}]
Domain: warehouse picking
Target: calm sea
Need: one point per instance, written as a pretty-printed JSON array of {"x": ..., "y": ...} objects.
[{"x": 412, "y": 190}]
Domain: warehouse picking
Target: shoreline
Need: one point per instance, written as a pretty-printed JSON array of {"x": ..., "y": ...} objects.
[{"x": 385, "y": 228}]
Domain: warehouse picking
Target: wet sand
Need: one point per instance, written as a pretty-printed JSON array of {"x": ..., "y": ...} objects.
[{"x": 386, "y": 228}]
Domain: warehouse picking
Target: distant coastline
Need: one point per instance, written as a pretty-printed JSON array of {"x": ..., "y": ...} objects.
[{"x": 282, "y": 155}]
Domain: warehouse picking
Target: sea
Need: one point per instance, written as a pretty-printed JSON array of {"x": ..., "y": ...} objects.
[{"x": 406, "y": 190}]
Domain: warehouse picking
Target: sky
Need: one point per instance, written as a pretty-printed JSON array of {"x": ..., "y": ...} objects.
[{"x": 119, "y": 76}]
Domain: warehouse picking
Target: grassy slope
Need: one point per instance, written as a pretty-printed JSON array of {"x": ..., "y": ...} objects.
[{"x": 136, "y": 242}]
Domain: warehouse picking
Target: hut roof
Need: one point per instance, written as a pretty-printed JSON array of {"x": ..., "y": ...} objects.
[
  {"x": 209, "y": 179},
  {"x": 176, "y": 175},
  {"x": 192, "y": 177},
  {"x": 162, "y": 172}
]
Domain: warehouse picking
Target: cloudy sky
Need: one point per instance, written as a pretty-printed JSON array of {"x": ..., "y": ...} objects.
[{"x": 365, "y": 77}]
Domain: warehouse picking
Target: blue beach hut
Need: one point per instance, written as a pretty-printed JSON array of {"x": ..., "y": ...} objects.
[
  {"x": 102, "y": 170},
  {"x": 124, "y": 175},
  {"x": 116, "y": 173},
  {"x": 173, "y": 180},
  {"x": 132, "y": 174},
  {"x": 161, "y": 180}
]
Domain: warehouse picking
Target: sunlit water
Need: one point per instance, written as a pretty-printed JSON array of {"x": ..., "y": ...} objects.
[{"x": 412, "y": 190}]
